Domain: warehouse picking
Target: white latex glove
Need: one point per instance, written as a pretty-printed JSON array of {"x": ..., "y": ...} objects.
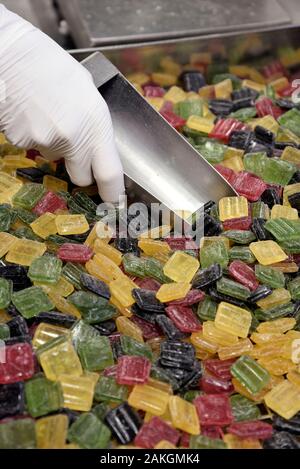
[{"x": 48, "y": 101}]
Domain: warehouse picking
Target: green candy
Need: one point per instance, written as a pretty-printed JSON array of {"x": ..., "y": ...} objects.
[
  {"x": 27, "y": 233},
  {"x": 271, "y": 170},
  {"x": 131, "y": 346},
  {"x": 93, "y": 308},
  {"x": 250, "y": 374},
  {"x": 89, "y": 432},
  {"x": 18, "y": 434},
  {"x": 213, "y": 152},
  {"x": 243, "y": 114},
  {"x": 191, "y": 395},
  {"x": 204, "y": 442},
  {"x": 43, "y": 396},
  {"x": 100, "y": 410},
  {"x": 82, "y": 199},
  {"x": 188, "y": 108},
  {"x": 268, "y": 276},
  {"x": 243, "y": 409},
  {"x": 25, "y": 216},
  {"x": 107, "y": 390},
  {"x": 229, "y": 287},
  {"x": 236, "y": 81},
  {"x": 275, "y": 313},
  {"x": 291, "y": 246},
  {"x": 207, "y": 309},
  {"x": 283, "y": 229},
  {"x": 291, "y": 121},
  {"x": 29, "y": 195},
  {"x": 4, "y": 332},
  {"x": 72, "y": 272},
  {"x": 45, "y": 269},
  {"x": 6, "y": 218},
  {"x": 241, "y": 253},
  {"x": 31, "y": 301},
  {"x": 240, "y": 236},
  {"x": 144, "y": 267},
  {"x": 260, "y": 210},
  {"x": 214, "y": 253},
  {"x": 6, "y": 287},
  {"x": 294, "y": 288}
]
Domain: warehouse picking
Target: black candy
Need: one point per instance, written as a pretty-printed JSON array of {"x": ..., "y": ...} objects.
[
  {"x": 270, "y": 197},
  {"x": 211, "y": 226},
  {"x": 141, "y": 313},
  {"x": 215, "y": 295},
  {"x": 285, "y": 103},
  {"x": 168, "y": 327},
  {"x": 146, "y": 300},
  {"x": 206, "y": 277},
  {"x": 281, "y": 440},
  {"x": 17, "y": 274},
  {"x": 59, "y": 319},
  {"x": 264, "y": 135},
  {"x": 294, "y": 200},
  {"x": 117, "y": 348},
  {"x": 261, "y": 292},
  {"x": 208, "y": 206},
  {"x": 106, "y": 327},
  {"x": 258, "y": 228},
  {"x": 11, "y": 399},
  {"x": 192, "y": 81},
  {"x": 32, "y": 174},
  {"x": 244, "y": 93},
  {"x": 177, "y": 354},
  {"x": 220, "y": 107},
  {"x": 255, "y": 146},
  {"x": 95, "y": 285},
  {"x": 242, "y": 103},
  {"x": 240, "y": 139},
  {"x": 126, "y": 245},
  {"x": 295, "y": 178},
  {"x": 18, "y": 327},
  {"x": 292, "y": 425},
  {"x": 124, "y": 423}
]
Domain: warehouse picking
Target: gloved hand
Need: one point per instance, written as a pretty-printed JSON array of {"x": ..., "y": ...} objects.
[{"x": 48, "y": 101}]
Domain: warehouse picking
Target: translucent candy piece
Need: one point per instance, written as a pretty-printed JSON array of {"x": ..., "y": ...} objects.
[
  {"x": 133, "y": 370},
  {"x": 284, "y": 399},
  {"x": 254, "y": 429},
  {"x": 202, "y": 343},
  {"x": 172, "y": 291},
  {"x": 89, "y": 432},
  {"x": 283, "y": 229},
  {"x": 69, "y": 252},
  {"x": 71, "y": 224},
  {"x": 60, "y": 358},
  {"x": 181, "y": 267},
  {"x": 218, "y": 336},
  {"x": 294, "y": 288},
  {"x": 18, "y": 434},
  {"x": 42, "y": 396},
  {"x": 288, "y": 191},
  {"x": 242, "y": 273},
  {"x": 233, "y": 207},
  {"x": 24, "y": 251},
  {"x": 234, "y": 442},
  {"x": 17, "y": 364},
  {"x": 6, "y": 242},
  {"x": 152, "y": 432},
  {"x": 62, "y": 287},
  {"x": 78, "y": 391},
  {"x": 183, "y": 318},
  {"x": 282, "y": 211},
  {"x": 241, "y": 348},
  {"x": 49, "y": 203},
  {"x": 103, "y": 268},
  {"x": 28, "y": 196},
  {"x": 54, "y": 184},
  {"x": 267, "y": 252},
  {"x": 164, "y": 444},
  {"x": 175, "y": 95},
  {"x": 234, "y": 289},
  {"x": 158, "y": 249},
  {"x": 121, "y": 288},
  {"x": 63, "y": 305},
  {"x": 5, "y": 292},
  {"x": 200, "y": 124},
  {"x": 184, "y": 415},
  {"x": 99, "y": 231},
  {"x": 243, "y": 409},
  {"x": 149, "y": 399},
  {"x": 214, "y": 409},
  {"x": 214, "y": 253},
  {"x": 51, "y": 432},
  {"x": 31, "y": 301},
  {"x": 277, "y": 366},
  {"x": 269, "y": 276},
  {"x": 128, "y": 328},
  {"x": 46, "y": 332},
  {"x": 101, "y": 247},
  {"x": 278, "y": 297},
  {"x": 45, "y": 269},
  {"x": 250, "y": 374}
]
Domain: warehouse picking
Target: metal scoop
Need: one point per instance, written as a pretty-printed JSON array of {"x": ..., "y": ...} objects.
[{"x": 159, "y": 164}]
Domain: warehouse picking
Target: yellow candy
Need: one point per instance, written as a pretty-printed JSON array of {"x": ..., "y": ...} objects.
[
  {"x": 54, "y": 184},
  {"x": 243, "y": 347},
  {"x": 158, "y": 249},
  {"x": 201, "y": 343},
  {"x": 139, "y": 78},
  {"x": 63, "y": 305},
  {"x": 231, "y": 152},
  {"x": 268, "y": 122},
  {"x": 59, "y": 360},
  {"x": 294, "y": 377},
  {"x": 127, "y": 327},
  {"x": 218, "y": 336},
  {"x": 279, "y": 83},
  {"x": 4, "y": 317},
  {"x": 157, "y": 232},
  {"x": 168, "y": 65},
  {"x": 175, "y": 95},
  {"x": 6, "y": 242},
  {"x": 286, "y": 135},
  {"x": 99, "y": 231},
  {"x": 181, "y": 267},
  {"x": 9, "y": 184},
  {"x": 233, "y": 320},
  {"x": 24, "y": 251},
  {"x": 253, "y": 85},
  {"x": 266, "y": 337},
  {"x": 277, "y": 366},
  {"x": 44, "y": 226},
  {"x": 18, "y": 161},
  {"x": 284, "y": 399},
  {"x": 235, "y": 163},
  {"x": 233, "y": 207},
  {"x": 121, "y": 288},
  {"x": 103, "y": 268},
  {"x": 184, "y": 415},
  {"x": 241, "y": 71},
  {"x": 125, "y": 311},
  {"x": 208, "y": 240},
  {"x": 45, "y": 332},
  {"x": 101, "y": 247},
  {"x": 164, "y": 79},
  {"x": 164, "y": 444},
  {"x": 290, "y": 190},
  {"x": 280, "y": 296},
  {"x": 51, "y": 432},
  {"x": 156, "y": 102},
  {"x": 234, "y": 442},
  {"x": 282, "y": 211},
  {"x": 149, "y": 399},
  {"x": 71, "y": 224},
  {"x": 154, "y": 383},
  {"x": 61, "y": 288},
  {"x": 267, "y": 252},
  {"x": 172, "y": 291},
  {"x": 223, "y": 89},
  {"x": 291, "y": 154},
  {"x": 256, "y": 76},
  {"x": 201, "y": 124},
  {"x": 78, "y": 391}
]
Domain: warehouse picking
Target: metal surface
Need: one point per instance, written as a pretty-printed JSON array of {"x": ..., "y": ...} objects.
[
  {"x": 103, "y": 22},
  {"x": 159, "y": 163}
]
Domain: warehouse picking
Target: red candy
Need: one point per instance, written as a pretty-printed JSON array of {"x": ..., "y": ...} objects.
[
  {"x": 69, "y": 252},
  {"x": 193, "y": 296},
  {"x": 111, "y": 371},
  {"x": 227, "y": 173},
  {"x": 265, "y": 107},
  {"x": 214, "y": 409},
  {"x": 213, "y": 385},
  {"x": 243, "y": 274},
  {"x": 224, "y": 128},
  {"x": 133, "y": 370},
  {"x": 18, "y": 364},
  {"x": 181, "y": 244},
  {"x": 243, "y": 223},
  {"x": 153, "y": 91},
  {"x": 249, "y": 186},
  {"x": 176, "y": 121},
  {"x": 212, "y": 431},
  {"x": 183, "y": 318},
  {"x": 219, "y": 368},
  {"x": 147, "y": 283},
  {"x": 254, "y": 429},
  {"x": 154, "y": 431},
  {"x": 273, "y": 69},
  {"x": 49, "y": 203},
  {"x": 150, "y": 331},
  {"x": 287, "y": 91}
]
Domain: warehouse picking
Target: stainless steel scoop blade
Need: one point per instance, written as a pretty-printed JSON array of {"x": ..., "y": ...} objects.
[{"x": 159, "y": 164}]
